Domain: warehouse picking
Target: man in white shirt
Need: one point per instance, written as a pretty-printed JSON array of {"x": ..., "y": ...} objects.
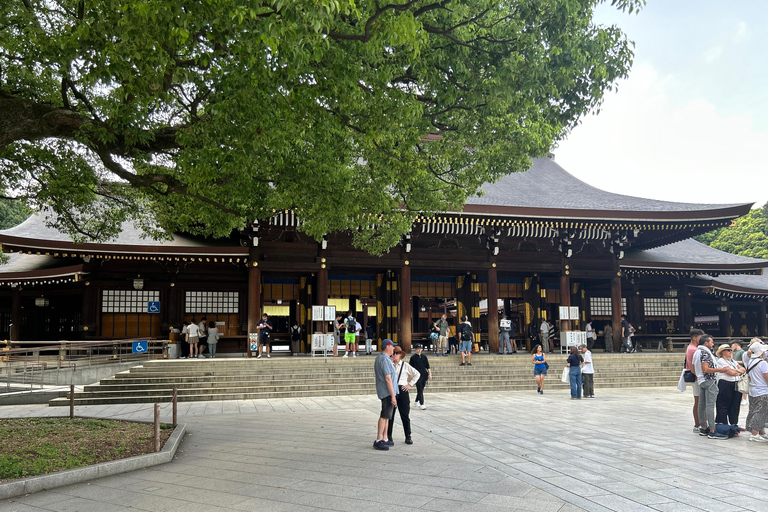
[
  {"x": 591, "y": 335},
  {"x": 587, "y": 373},
  {"x": 544, "y": 329}
]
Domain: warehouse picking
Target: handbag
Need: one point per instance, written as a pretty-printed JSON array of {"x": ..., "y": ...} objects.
[
  {"x": 565, "y": 377},
  {"x": 433, "y": 336},
  {"x": 742, "y": 386},
  {"x": 689, "y": 376},
  {"x": 546, "y": 365}
]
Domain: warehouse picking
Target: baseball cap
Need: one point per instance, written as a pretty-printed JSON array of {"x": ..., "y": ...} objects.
[
  {"x": 418, "y": 345},
  {"x": 386, "y": 343}
]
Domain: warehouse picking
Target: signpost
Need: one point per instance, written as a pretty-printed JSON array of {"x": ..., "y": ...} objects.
[{"x": 253, "y": 341}]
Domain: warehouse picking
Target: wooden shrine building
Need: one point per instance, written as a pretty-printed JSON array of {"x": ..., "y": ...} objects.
[{"x": 531, "y": 242}]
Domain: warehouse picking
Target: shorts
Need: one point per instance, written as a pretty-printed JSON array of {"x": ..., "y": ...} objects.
[
  {"x": 193, "y": 340},
  {"x": 349, "y": 338},
  {"x": 265, "y": 340},
  {"x": 695, "y": 387},
  {"x": 539, "y": 371},
  {"x": 387, "y": 409},
  {"x": 465, "y": 346}
]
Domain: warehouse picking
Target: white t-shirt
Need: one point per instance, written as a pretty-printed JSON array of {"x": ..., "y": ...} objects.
[
  {"x": 757, "y": 384},
  {"x": 358, "y": 328},
  {"x": 544, "y": 328},
  {"x": 590, "y": 334},
  {"x": 213, "y": 335},
  {"x": 587, "y": 366},
  {"x": 193, "y": 330},
  {"x": 727, "y": 363}
]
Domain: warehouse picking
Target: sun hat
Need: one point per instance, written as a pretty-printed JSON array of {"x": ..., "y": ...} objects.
[
  {"x": 723, "y": 347},
  {"x": 757, "y": 349}
]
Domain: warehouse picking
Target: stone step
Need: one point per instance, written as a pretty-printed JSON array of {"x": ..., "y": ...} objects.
[{"x": 166, "y": 397}]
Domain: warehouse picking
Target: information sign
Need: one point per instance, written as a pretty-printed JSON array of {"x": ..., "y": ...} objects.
[
  {"x": 140, "y": 347},
  {"x": 153, "y": 306}
]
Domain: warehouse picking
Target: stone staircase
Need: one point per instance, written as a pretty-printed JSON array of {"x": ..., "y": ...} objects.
[{"x": 288, "y": 377}]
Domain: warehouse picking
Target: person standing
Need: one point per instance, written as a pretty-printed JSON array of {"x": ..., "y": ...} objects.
[
  {"x": 757, "y": 369},
  {"x": 407, "y": 376},
  {"x": 193, "y": 332},
  {"x": 625, "y": 346},
  {"x": 728, "y": 402},
  {"x": 544, "y": 335},
  {"x": 358, "y": 330},
  {"x": 591, "y": 335},
  {"x": 505, "y": 328},
  {"x": 338, "y": 326},
  {"x": 705, "y": 368},
  {"x": 587, "y": 373},
  {"x": 551, "y": 336},
  {"x": 202, "y": 328},
  {"x": 442, "y": 336},
  {"x": 295, "y": 338},
  {"x": 370, "y": 332},
  {"x": 349, "y": 336},
  {"x": 608, "y": 337},
  {"x": 738, "y": 356},
  {"x": 264, "y": 327},
  {"x": 539, "y": 361},
  {"x": 213, "y": 338},
  {"x": 421, "y": 363},
  {"x": 695, "y": 334},
  {"x": 386, "y": 390},
  {"x": 574, "y": 371},
  {"x": 184, "y": 340},
  {"x": 465, "y": 333}
]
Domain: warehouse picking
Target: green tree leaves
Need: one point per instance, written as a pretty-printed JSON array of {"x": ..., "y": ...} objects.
[
  {"x": 205, "y": 119},
  {"x": 747, "y": 237}
]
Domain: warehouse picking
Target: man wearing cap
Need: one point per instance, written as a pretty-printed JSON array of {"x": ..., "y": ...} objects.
[
  {"x": 420, "y": 362},
  {"x": 705, "y": 369},
  {"x": 587, "y": 373},
  {"x": 386, "y": 391}
]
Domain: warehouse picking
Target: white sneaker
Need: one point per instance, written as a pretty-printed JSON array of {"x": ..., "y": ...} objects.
[
  {"x": 258, "y": 356},
  {"x": 743, "y": 402},
  {"x": 345, "y": 355},
  {"x": 201, "y": 356},
  {"x": 417, "y": 403},
  {"x": 423, "y": 407},
  {"x": 269, "y": 355},
  {"x": 354, "y": 355},
  {"x": 758, "y": 439},
  {"x": 763, "y": 435}
]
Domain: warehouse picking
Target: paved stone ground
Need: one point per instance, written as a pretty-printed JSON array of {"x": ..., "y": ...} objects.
[{"x": 627, "y": 450}]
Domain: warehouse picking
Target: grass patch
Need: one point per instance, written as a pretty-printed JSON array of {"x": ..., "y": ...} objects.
[{"x": 36, "y": 446}]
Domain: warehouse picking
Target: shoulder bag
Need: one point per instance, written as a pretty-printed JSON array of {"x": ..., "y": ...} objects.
[{"x": 742, "y": 386}]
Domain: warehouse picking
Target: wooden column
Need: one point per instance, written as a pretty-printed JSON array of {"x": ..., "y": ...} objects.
[
  {"x": 616, "y": 311},
  {"x": 685, "y": 311},
  {"x": 88, "y": 319},
  {"x": 16, "y": 316},
  {"x": 321, "y": 298},
  {"x": 565, "y": 299},
  {"x": 635, "y": 310},
  {"x": 406, "y": 309},
  {"x": 493, "y": 311},
  {"x": 305, "y": 313},
  {"x": 530, "y": 297},
  {"x": 725, "y": 319},
  {"x": 254, "y": 301},
  {"x": 762, "y": 321}
]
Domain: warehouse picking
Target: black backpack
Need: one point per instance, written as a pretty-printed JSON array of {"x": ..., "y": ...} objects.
[{"x": 466, "y": 332}]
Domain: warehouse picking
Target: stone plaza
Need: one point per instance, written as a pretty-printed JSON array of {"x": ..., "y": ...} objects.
[{"x": 629, "y": 449}]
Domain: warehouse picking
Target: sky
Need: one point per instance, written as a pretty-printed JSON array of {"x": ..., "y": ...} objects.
[{"x": 690, "y": 123}]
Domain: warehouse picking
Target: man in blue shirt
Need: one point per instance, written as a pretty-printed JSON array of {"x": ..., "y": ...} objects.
[{"x": 386, "y": 391}]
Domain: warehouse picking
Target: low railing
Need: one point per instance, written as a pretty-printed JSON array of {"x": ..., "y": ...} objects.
[{"x": 32, "y": 363}]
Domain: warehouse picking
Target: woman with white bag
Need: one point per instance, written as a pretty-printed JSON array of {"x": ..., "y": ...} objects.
[
  {"x": 757, "y": 370},
  {"x": 728, "y": 398}
]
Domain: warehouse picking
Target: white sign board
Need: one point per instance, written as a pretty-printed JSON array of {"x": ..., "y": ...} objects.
[
  {"x": 574, "y": 312},
  {"x": 330, "y": 313},
  {"x": 505, "y": 323},
  {"x": 317, "y": 313},
  {"x": 573, "y": 338},
  {"x": 565, "y": 313}
]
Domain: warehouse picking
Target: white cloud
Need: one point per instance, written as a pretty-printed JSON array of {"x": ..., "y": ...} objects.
[
  {"x": 646, "y": 144},
  {"x": 740, "y": 34}
]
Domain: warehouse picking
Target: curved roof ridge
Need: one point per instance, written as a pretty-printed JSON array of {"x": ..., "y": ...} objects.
[{"x": 547, "y": 185}]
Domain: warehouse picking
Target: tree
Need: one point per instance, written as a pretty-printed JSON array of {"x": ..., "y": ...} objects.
[
  {"x": 359, "y": 115},
  {"x": 12, "y": 213},
  {"x": 748, "y": 236}
]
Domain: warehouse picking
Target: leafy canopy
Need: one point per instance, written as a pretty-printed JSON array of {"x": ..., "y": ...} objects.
[
  {"x": 748, "y": 236},
  {"x": 204, "y": 116}
]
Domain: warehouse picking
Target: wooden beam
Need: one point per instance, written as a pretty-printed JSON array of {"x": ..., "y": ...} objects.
[
  {"x": 493, "y": 311},
  {"x": 406, "y": 309}
]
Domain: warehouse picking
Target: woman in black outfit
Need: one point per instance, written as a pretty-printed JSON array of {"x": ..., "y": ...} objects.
[{"x": 574, "y": 365}]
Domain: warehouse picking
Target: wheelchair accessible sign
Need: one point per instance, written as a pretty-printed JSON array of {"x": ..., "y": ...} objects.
[
  {"x": 140, "y": 347},
  {"x": 153, "y": 306}
]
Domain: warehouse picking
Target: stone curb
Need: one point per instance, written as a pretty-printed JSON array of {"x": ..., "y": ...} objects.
[{"x": 79, "y": 475}]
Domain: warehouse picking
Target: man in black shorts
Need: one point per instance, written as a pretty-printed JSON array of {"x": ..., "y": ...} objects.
[{"x": 386, "y": 391}]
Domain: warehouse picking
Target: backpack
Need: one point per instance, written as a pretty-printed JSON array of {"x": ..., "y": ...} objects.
[
  {"x": 466, "y": 332},
  {"x": 727, "y": 430},
  {"x": 351, "y": 325}
]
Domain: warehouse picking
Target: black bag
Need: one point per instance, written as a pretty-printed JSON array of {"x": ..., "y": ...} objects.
[
  {"x": 466, "y": 332},
  {"x": 689, "y": 376},
  {"x": 546, "y": 365}
]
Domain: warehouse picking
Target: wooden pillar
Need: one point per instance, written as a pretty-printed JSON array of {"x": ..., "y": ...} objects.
[
  {"x": 254, "y": 301},
  {"x": 565, "y": 299},
  {"x": 616, "y": 311},
  {"x": 16, "y": 316},
  {"x": 321, "y": 299},
  {"x": 685, "y": 311},
  {"x": 725, "y": 319},
  {"x": 304, "y": 313},
  {"x": 637, "y": 318},
  {"x": 406, "y": 309},
  {"x": 530, "y": 297},
  {"x": 762, "y": 320},
  {"x": 88, "y": 319},
  {"x": 493, "y": 311}
]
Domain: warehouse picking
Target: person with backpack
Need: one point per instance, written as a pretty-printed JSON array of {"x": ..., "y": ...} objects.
[
  {"x": 295, "y": 338},
  {"x": 442, "y": 336},
  {"x": 370, "y": 333},
  {"x": 505, "y": 329},
  {"x": 465, "y": 346},
  {"x": 338, "y": 326},
  {"x": 349, "y": 336}
]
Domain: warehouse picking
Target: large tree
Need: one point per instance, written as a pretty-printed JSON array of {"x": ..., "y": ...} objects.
[
  {"x": 204, "y": 115},
  {"x": 748, "y": 236}
]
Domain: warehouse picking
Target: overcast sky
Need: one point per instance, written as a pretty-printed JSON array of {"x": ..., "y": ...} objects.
[{"x": 691, "y": 122}]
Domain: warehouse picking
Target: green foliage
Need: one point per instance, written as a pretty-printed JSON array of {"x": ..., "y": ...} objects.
[
  {"x": 12, "y": 213},
  {"x": 202, "y": 120},
  {"x": 747, "y": 237}
]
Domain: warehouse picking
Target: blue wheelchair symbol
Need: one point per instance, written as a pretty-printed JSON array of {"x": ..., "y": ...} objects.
[
  {"x": 139, "y": 347},
  {"x": 153, "y": 307}
]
